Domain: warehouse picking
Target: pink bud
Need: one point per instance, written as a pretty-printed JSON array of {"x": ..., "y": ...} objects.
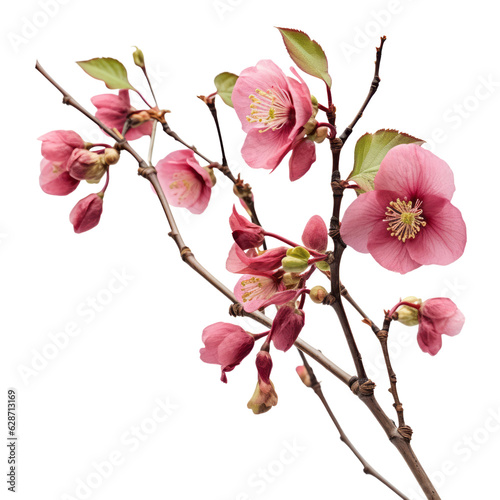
[
  {"x": 264, "y": 365},
  {"x": 86, "y": 213},
  {"x": 226, "y": 345},
  {"x": 86, "y": 165},
  {"x": 245, "y": 233},
  {"x": 287, "y": 326},
  {"x": 438, "y": 316},
  {"x": 315, "y": 234},
  {"x": 304, "y": 375}
]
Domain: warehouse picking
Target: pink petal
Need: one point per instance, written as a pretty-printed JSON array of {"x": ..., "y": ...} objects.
[
  {"x": 264, "y": 75},
  {"x": 360, "y": 219},
  {"x": 287, "y": 326},
  {"x": 55, "y": 180},
  {"x": 254, "y": 290},
  {"x": 414, "y": 172},
  {"x": 303, "y": 156},
  {"x": 59, "y": 144},
  {"x": 315, "y": 235},
  {"x": 301, "y": 97},
  {"x": 442, "y": 240},
  {"x": 388, "y": 251},
  {"x": 266, "y": 149},
  {"x": 428, "y": 340}
]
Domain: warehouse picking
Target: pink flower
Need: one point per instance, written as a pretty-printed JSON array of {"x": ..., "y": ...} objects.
[
  {"x": 226, "y": 345},
  {"x": 273, "y": 110},
  {"x": 245, "y": 233},
  {"x": 86, "y": 213},
  {"x": 408, "y": 220},
  {"x": 185, "y": 182},
  {"x": 86, "y": 165},
  {"x": 113, "y": 110},
  {"x": 240, "y": 262},
  {"x": 437, "y": 317},
  {"x": 55, "y": 179},
  {"x": 255, "y": 291},
  {"x": 58, "y": 145},
  {"x": 287, "y": 326},
  {"x": 315, "y": 235}
]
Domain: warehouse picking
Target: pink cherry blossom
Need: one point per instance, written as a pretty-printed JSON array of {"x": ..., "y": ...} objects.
[
  {"x": 245, "y": 233},
  {"x": 273, "y": 110},
  {"x": 58, "y": 145},
  {"x": 408, "y": 220},
  {"x": 185, "y": 182},
  {"x": 113, "y": 110},
  {"x": 55, "y": 179},
  {"x": 86, "y": 213},
  {"x": 86, "y": 165},
  {"x": 240, "y": 262},
  {"x": 315, "y": 235},
  {"x": 287, "y": 326},
  {"x": 437, "y": 317},
  {"x": 255, "y": 291},
  {"x": 226, "y": 345}
]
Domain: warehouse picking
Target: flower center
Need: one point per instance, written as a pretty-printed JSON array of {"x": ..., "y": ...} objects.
[
  {"x": 404, "y": 220},
  {"x": 270, "y": 108}
]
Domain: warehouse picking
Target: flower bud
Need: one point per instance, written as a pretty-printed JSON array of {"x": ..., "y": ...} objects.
[
  {"x": 86, "y": 213},
  {"x": 86, "y": 166},
  {"x": 296, "y": 260},
  {"x": 409, "y": 315},
  {"x": 111, "y": 156},
  {"x": 304, "y": 375},
  {"x": 320, "y": 134},
  {"x": 138, "y": 58},
  {"x": 318, "y": 294},
  {"x": 261, "y": 401},
  {"x": 291, "y": 279}
]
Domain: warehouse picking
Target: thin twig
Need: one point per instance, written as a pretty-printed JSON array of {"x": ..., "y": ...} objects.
[
  {"x": 367, "y": 468},
  {"x": 152, "y": 143},
  {"x": 211, "y": 106},
  {"x": 373, "y": 88}
]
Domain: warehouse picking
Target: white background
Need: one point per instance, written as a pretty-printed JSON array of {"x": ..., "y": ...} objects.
[{"x": 81, "y": 407}]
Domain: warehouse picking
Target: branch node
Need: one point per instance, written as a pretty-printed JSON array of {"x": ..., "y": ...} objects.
[
  {"x": 146, "y": 171},
  {"x": 329, "y": 300},
  {"x": 186, "y": 253},
  {"x": 406, "y": 432},
  {"x": 236, "y": 310}
]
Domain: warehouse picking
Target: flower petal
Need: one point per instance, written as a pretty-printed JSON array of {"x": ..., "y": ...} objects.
[
  {"x": 389, "y": 252},
  {"x": 414, "y": 172},
  {"x": 303, "y": 156},
  {"x": 442, "y": 240}
]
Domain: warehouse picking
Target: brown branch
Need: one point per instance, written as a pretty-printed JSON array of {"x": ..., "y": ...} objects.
[
  {"x": 373, "y": 88},
  {"x": 367, "y": 468},
  {"x": 382, "y": 335},
  {"x": 363, "y": 389}
]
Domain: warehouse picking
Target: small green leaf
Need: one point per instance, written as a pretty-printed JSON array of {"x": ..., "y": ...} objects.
[
  {"x": 224, "y": 83},
  {"x": 370, "y": 151},
  {"x": 110, "y": 71},
  {"x": 306, "y": 54}
]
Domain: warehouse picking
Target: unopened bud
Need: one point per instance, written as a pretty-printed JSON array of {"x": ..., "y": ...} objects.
[
  {"x": 318, "y": 294},
  {"x": 138, "y": 58},
  {"x": 320, "y": 135},
  {"x": 296, "y": 260},
  {"x": 290, "y": 279},
  {"x": 111, "y": 156},
  {"x": 409, "y": 315},
  {"x": 304, "y": 375}
]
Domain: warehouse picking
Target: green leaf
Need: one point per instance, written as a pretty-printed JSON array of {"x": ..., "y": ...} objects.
[
  {"x": 224, "y": 83},
  {"x": 306, "y": 54},
  {"x": 370, "y": 151},
  {"x": 110, "y": 71}
]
